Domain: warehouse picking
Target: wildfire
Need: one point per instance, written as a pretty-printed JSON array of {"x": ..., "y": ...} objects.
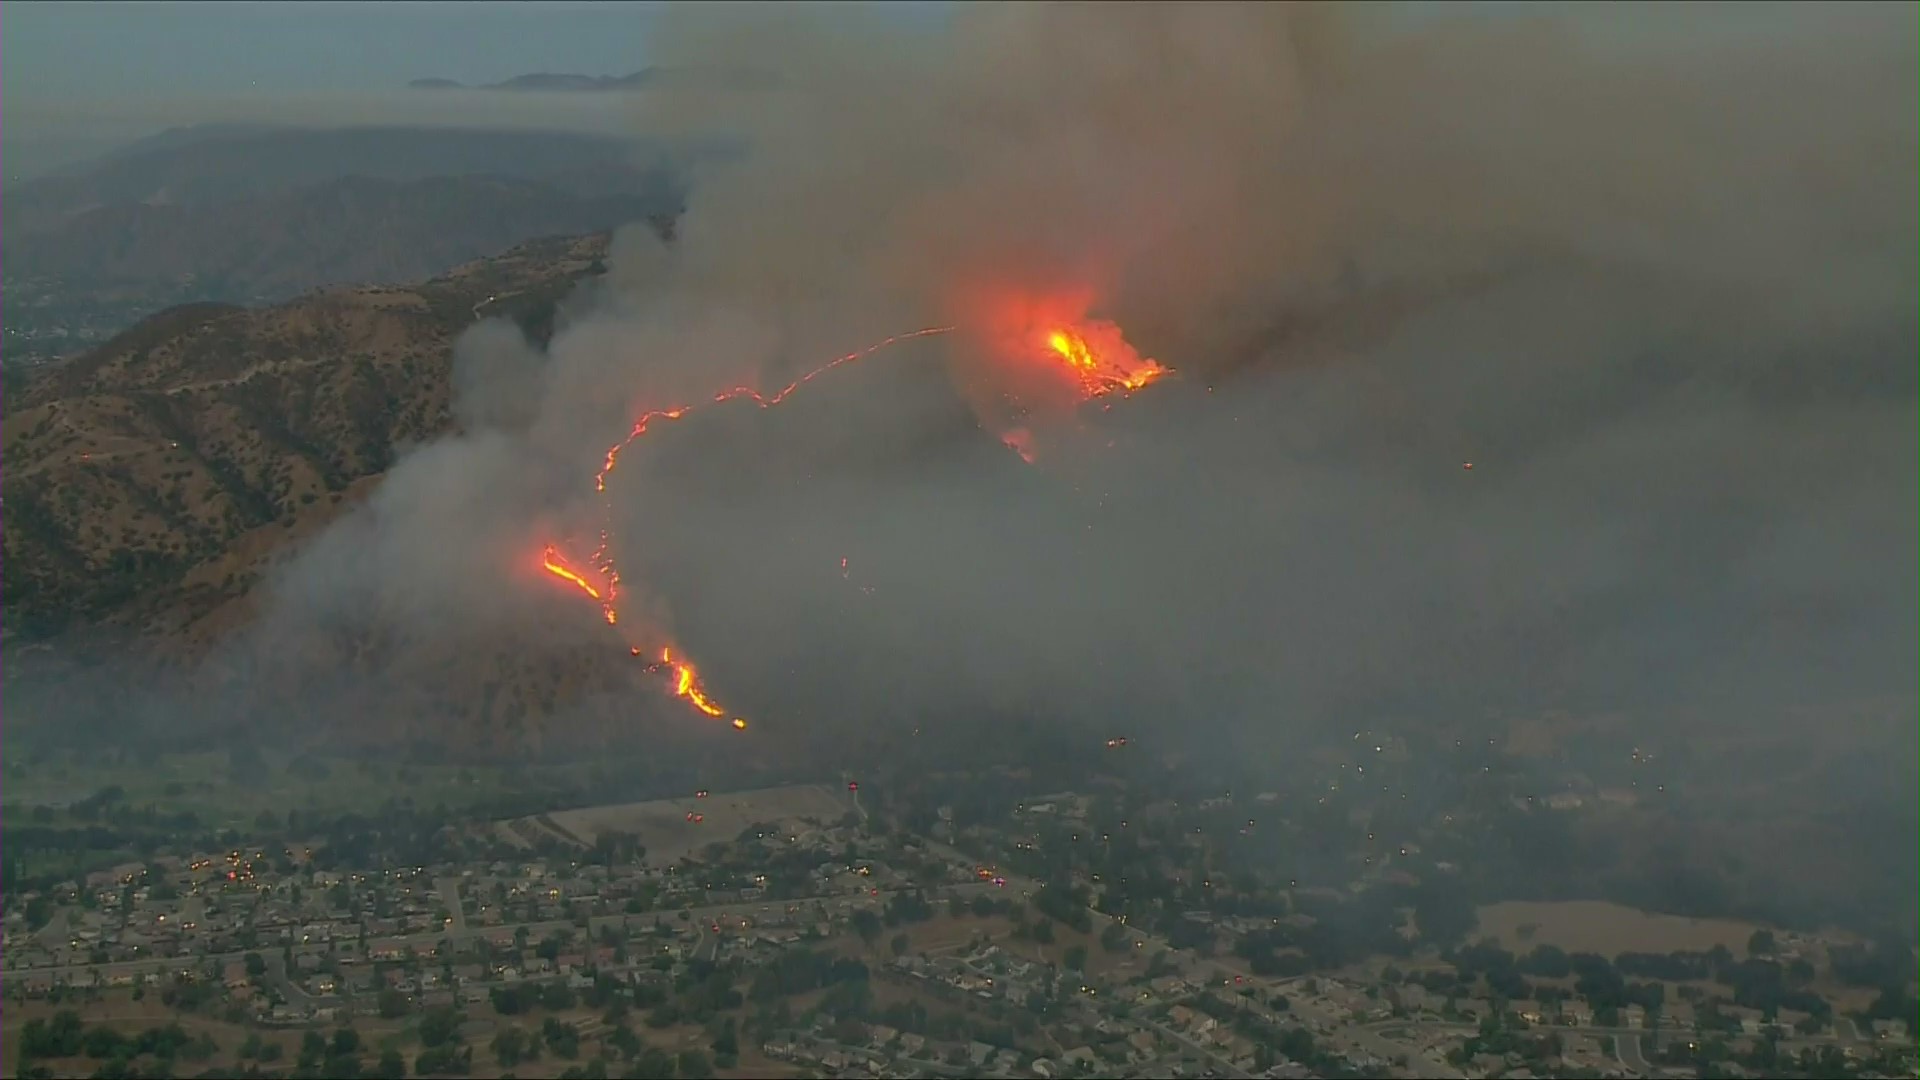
[
  {"x": 1092, "y": 353},
  {"x": 747, "y": 393},
  {"x": 556, "y": 565},
  {"x": 1103, "y": 370},
  {"x": 686, "y": 680}
]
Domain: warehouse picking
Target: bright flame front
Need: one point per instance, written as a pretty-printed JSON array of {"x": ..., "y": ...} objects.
[
  {"x": 1051, "y": 336},
  {"x": 686, "y": 680}
]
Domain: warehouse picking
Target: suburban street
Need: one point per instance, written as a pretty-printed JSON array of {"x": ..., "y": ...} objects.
[{"x": 700, "y": 916}]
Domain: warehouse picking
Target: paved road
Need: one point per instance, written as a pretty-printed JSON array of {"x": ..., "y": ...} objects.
[
  {"x": 295, "y": 995},
  {"x": 1847, "y": 1030},
  {"x": 1627, "y": 1048}
]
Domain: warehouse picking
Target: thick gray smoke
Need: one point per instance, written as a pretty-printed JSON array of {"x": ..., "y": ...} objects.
[{"x": 1652, "y": 275}]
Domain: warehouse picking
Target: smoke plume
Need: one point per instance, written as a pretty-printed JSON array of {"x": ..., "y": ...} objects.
[{"x": 1652, "y": 277}]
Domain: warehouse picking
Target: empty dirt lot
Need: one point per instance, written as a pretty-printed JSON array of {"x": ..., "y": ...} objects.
[
  {"x": 1606, "y": 929},
  {"x": 662, "y": 824}
]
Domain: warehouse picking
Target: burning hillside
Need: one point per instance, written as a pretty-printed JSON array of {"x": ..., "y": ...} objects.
[
  {"x": 1091, "y": 358},
  {"x": 1677, "y": 359}
]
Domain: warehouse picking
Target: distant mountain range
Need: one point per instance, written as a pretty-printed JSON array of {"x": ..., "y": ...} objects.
[
  {"x": 246, "y": 214},
  {"x": 547, "y": 82}
]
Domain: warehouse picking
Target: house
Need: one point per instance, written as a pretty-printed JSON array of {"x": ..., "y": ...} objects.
[{"x": 234, "y": 976}]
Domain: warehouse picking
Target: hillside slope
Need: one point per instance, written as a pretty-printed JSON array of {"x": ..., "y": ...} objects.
[{"x": 140, "y": 474}]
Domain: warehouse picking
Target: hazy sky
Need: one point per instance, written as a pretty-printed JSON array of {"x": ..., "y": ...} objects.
[
  {"x": 92, "y": 51},
  {"x": 82, "y": 77}
]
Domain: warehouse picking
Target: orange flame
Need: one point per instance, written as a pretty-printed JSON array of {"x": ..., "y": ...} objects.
[
  {"x": 686, "y": 680},
  {"x": 1104, "y": 369},
  {"x": 557, "y": 566},
  {"x": 1093, "y": 353}
]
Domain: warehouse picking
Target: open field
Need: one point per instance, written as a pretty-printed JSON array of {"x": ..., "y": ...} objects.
[
  {"x": 1606, "y": 929},
  {"x": 209, "y": 785},
  {"x": 664, "y": 829}
]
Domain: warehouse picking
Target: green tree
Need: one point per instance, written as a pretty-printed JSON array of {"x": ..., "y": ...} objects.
[
  {"x": 103, "y": 1042},
  {"x": 558, "y": 996},
  {"x": 256, "y": 965},
  {"x": 1076, "y": 957},
  {"x": 867, "y": 925},
  {"x": 391, "y": 1066},
  {"x": 437, "y": 1028},
  {"x": 900, "y": 944},
  {"x": 652, "y": 1064},
  {"x": 510, "y": 1045},
  {"x": 313, "y": 1048},
  {"x": 1761, "y": 943}
]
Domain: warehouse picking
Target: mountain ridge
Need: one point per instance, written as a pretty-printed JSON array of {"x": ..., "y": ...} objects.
[{"x": 551, "y": 82}]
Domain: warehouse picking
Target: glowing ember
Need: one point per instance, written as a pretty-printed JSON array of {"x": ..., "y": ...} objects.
[{"x": 1020, "y": 441}]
